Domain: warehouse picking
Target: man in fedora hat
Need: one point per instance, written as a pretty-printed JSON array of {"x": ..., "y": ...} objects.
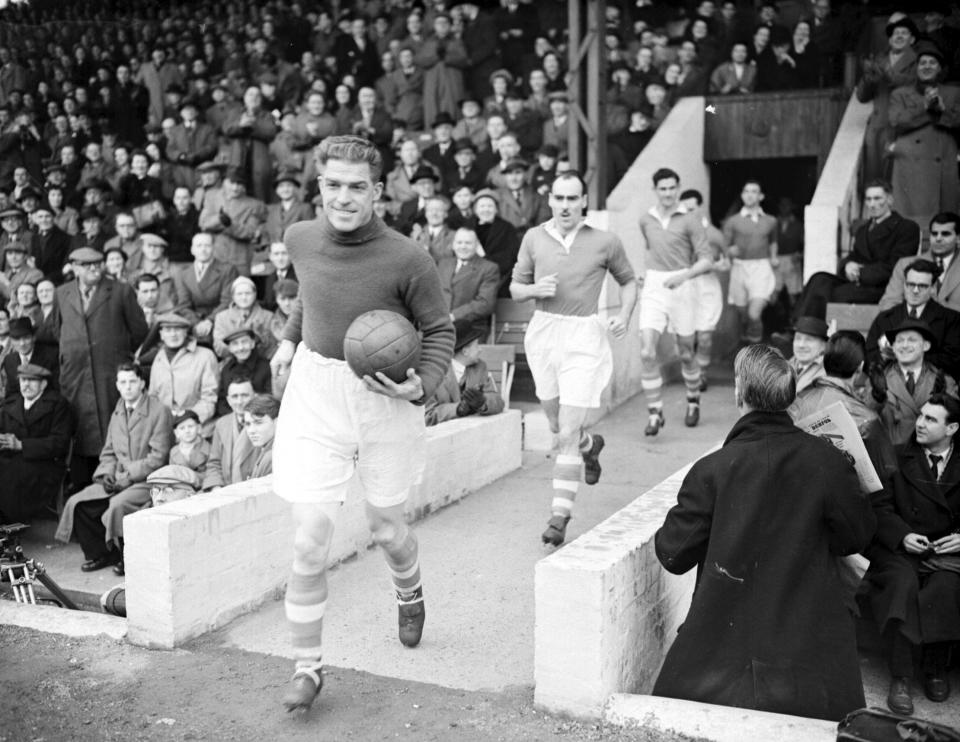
[
  {"x": 236, "y": 223},
  {"x": 440, "y": 154},
  {"x": 100, "y": 327},
  {"x": 289, "y": 209},
  {"x": 189, "y": 143},
  {"x": 52, "y": 245},
  {"x": 809, "y": 341},
  {"x": 36, "y": 426},
  {"x": 919, "y": 284},
  {"x": 902, "y": 388},
  {"x": 25, "y": 352},
  {"x": 425, "y": 182},
  {"x": 17, "y": 271},
  {"x": 465, "y": 172}
]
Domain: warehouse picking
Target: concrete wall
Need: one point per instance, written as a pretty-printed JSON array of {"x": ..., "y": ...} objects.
[
  {"x": 606, "y": 611},
  {"x": 836, "y": 202},
  {"x": 195, "y": 564}
]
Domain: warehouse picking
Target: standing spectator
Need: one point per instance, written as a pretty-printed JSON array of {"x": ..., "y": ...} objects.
[
  {"x": 131, "y": 102},
  {"x": 209, "y": 194},
  {"x": 925, "y": 119},
  {"x": 443, "y": 58},
  {"x": 16, "y": 273},
  {"x": 827, "y": 42},
  {"x": 250, "y": 131},
  {"x": 236, "y": 223},
  {"x": 244, "y": 312},
  {"x": 556, "y": 128},
  {"x": 805, "y": 56},
  {"x": 141, "y": 193},
  {"x": 181, "y": 223},
  {"x": 404, "y": 98},
  {"x": 22, "y": 146},
  {"x": 203, "y": 289},
  {"x": 881, "y": 75},
  {"x": 100, "y": 326},
  {"x": 184, "y": 375},
  {"x": 356, "y": 54},
  {"x": 13, "y": 222},
  {"x": 789, "y": 268},
  {"x": 516, "y": 24},
  {"x": 150, "y": 257},
  {"x": 371, "y": 121},
  {"x": 726, "y": 524},
  {"x": 65, "y": 217},
  {"x": 480, "y": 38},
  {"x": 191, "y": 142},
  {"x": 156, "y": 75}
]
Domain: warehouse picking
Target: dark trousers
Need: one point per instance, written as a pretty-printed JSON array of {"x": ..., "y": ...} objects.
[
  {"x": 901, "y": 653},
  {"x": 81, "y": 470},
  {"x": 823, "y": 288},
  {"x": 89, "y": 528}
]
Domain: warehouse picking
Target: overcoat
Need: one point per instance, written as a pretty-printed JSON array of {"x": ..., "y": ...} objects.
[
  {"x": 443, "y": 62},
  {"x": 761, "y": 520},
  {"x": 926, "y": 606},
  {"x": 900, "y": 410},
  {"x": 92, "y": 345},
  {"x": 249, "y": 148},
  {"x": 32, "y": 476}
]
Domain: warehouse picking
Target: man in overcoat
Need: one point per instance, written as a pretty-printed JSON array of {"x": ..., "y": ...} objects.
[
  {"x": 35, "y": 430},
  {"x": 911, "y": 587},
  {"x": 762, "y": 520},
  {"x": 100, "y": 325}
]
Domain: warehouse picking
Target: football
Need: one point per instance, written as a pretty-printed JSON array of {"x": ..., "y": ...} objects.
[{"x": 381, "y": 340}]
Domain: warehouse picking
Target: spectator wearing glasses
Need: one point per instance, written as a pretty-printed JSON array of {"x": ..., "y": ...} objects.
[{"x": 943, "y": 249}]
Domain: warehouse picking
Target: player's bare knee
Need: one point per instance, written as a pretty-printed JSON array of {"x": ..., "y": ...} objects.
[
  {"x": 309, "y": 550},
  {"x": 648, "y": 354},
  {"x": 386, "y": 533},
  {"x": 685, "y": 353}
]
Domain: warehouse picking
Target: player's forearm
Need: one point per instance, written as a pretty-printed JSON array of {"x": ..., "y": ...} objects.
[
  {"x": 703, "y": 265},
  {"x": 628, "y": 300},
  {"x": 523, "y": 291}
]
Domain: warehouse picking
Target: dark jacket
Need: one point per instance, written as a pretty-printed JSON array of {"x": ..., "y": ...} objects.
[
  {"x": 878, "y": 249},
  {"x": 761, "y": 520},
  {"x": 43, "y": 355},
  {"x": 501, "y": 244},
  {"x": 32, "y": 477},
  {"x": 51, "y": 250},
  {"x": 945, "y": 324}
]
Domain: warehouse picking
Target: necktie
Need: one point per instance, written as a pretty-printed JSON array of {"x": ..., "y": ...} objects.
[
  {"x": 911, "y": 382},
  {"x": 85, "y": 293},
  {"x": 201, "y": 269},
  {"x": 459, "y": 266},
  {"x": 939, "y": 260},
  {"x": 516, "y": 195},
  {"x": 935, "y": 464},
  {"x": 913, "y": 313}
]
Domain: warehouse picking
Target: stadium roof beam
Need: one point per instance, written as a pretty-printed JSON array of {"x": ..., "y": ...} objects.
[{"x": 587, "y": 141}]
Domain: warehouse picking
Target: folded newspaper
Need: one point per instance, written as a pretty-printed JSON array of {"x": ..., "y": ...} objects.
[{"x": 835, "y": 425}]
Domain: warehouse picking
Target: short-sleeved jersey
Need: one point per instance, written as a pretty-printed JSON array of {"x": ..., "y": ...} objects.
[
  {"x": 676, "y": 243},
  {"x": 580, "y": 270},
  {"x": 752, "y": 237}
]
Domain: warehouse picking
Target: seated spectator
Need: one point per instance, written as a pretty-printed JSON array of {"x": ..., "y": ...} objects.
[
  {"x": 878, "y": 244},
  {"x": 244, "y": 361},
  {"x": 912, "y": 585},
  {"x": 541, "y": 175},
  {"x": 925, "y": 119},
  {"x": 209, "y": 194},
  {"x": 555, "y": 128},
  {"x": 141, "y": 192},
  {"x": 469, "y": 282},
  {"x": 735, "y": 76},
  {"x": 204, "y": 288},
  {"x": 14, "y": 231},
  {"x": 440, "y": 154},
  {"x": 25, "y": 304},
  {"x": 467, "y": 389},
  {"x": 286, "y": 292},
  {"x": 36, "y": 426},
  {"x": 843, "y": 359},
  {"x": 399, "y": 181},
  {"x": 471, "y": 124},
  {"x": 519, "y": 204},
  {"x": 171, "y": 483},
  {"x": 190, "y": 450},
  {"x": 268, "y": 274},
  {"x": 497, "y": 236},
  {"x": 65, "y": 218},
  {"x": 809, "y": 342},
  {"x": 235, "y": 223},
  {"x": 47, "y": 331},
  {"x": 944, "y": 244},
  {"x": 150, "y": 257},
  {"x": 780, "y": 71},
  {"x": 461, "y": 210},
  {"x": 17, "y": 272},
  {"x": 244, "y": 312},
  {"x": 137, "y": 443},
  {"x": 52, "y": 244},
  {"x": 25, "y": 351},
  {"x": 179, "y": 227},
  {"x": 231, "y": 451},
  {"x": 184, "y": 375},
  {"x": 425, "y": 181},
  {"x": 435, "y": 236},
  {"x": 289, "y": 209},
  {"x": 464, "y": 172},
  {"x": 260, "y": 425},
  {"x": 508, "y": 149},
  {"x": 944, "y": 324},
  {"x": 656, "y": 96},
  {"x": 904, "y": 385},
  {"x": 91, "y": 235}
]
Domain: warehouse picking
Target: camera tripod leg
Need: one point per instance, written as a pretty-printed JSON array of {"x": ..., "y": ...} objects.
[{"x": 58, "y": 593}]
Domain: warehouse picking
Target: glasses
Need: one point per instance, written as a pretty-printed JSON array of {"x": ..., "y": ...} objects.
[
  {"x": 948, "y": 233},
  {"x": 919, "y": 286}
]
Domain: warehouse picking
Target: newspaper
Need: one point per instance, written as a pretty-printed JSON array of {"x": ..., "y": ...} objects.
[{"x": 835, "y": 425}]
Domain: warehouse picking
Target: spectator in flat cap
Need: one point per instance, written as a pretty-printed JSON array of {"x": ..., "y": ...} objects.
[
  {"x": 36, "y": 426},
  {"x": 16, "y": 273},
  {"x": 288, "y": 209},
  {"x": 236, "y": 223},
  {"x": 467, "y": 389},
  {"x": 26, "y": 352},
  {"x": 276, "y": 269},
  {"x": 209, "y": 194},
  {"x": 13, "y": 223},
  {"x": 244, "y": 361},
  {"x": 184, "y": 375},
  {"x": 173, "y": 482},
  {"x": 150, "y": 257},
  {"x": 244, "y": 312},
  {"x": 520, "y": 205},
  {"x": 250, "y": 131},
  {"x": 100, "y": 326},
  {"x": 189, "y": 143},
  {"x": 52, "y": 244},
  {"x": 190, "y": 451}
]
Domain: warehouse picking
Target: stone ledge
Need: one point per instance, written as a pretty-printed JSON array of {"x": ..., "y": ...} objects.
[
  {"x": 54, "y": 620},
  {"x": 613, "y": 637},
  {"x": 194, "y": 565},
  {"x": 714, "y": 723}
]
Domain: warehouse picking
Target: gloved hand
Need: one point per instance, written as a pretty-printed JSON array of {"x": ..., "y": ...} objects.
[{"x": 471, "y": 402}]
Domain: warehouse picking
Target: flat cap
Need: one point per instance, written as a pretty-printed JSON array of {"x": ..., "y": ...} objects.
[
  {"x": 171, "y": 319},
  {"x": 15, "y": 247},
  {"x": 211, "y": 165},
  {"x": 186, "y": 415},
  {"x": 464, "y": 143},
  {"x": 515, "y": 163},
  {"x": 148, "y": 238},
  {"x": 242, "y": 332},
  {"x": 12, "y": 211},
  {"x": 33, "y": 371},
  {"x": 174, "y": 475},
  {"x": 84, "y": 255},
  {"x": 285, "y": 175}
]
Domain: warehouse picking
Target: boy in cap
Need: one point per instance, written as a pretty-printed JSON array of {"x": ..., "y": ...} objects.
[{"x": 191, "y": 450}]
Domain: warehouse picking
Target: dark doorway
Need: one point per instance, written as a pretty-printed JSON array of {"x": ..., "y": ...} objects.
[{"x": 795, "y": 177}]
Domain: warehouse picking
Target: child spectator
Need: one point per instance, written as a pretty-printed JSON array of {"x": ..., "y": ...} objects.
[{"x": 191, "y": 450}]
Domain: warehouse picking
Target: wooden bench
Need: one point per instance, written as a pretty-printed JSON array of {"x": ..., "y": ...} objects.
[
  {"x": 510, "y": 320},
  {"x": 852, "y": 316},
  {"x": 501, "y": 363}
]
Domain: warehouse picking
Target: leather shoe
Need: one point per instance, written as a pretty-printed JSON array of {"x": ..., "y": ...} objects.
[
  {"x": 302, "y": 689},
  {"x": 410, "y": 616},
  {"x": 692, "y": 418},
  {"x": 591, "y": 460},
  {"x": 898, "y": 699},
  {"x": 556, "y": 530},
  {"x": 99, "y": 563},
  {"x": 118, "y": 569},
  {"x": 936, "y": 688}
]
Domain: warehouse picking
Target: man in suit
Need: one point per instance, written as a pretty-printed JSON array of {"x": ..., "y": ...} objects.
[
  {"x": 51, "y": 246},
  {"x": 944, "y": 245},
  {"x": 809, "y": 343},
  {"x": 399, "y": 181},
  {"x": 290, "y": 209},
  {"x": 921, "y": 276},
  {"x": 435, "y": 235},
  {"x": 230, "y": 447},
  {"x": 467, "y": 389},
  {"x": 469, "y": 282},
  {"x": 913, "y": 585},
  {"x": 188, "y": 144},
  {"x": 878, "y": 244},
  {"x": 137, "y": 443},
  {"x": 464, "y": 172},
  {"x": 520, "y": 205},
  {"x": 267, "y": 274},
  {"x": 237, "y": 222},
  {"x": 203, "y": 287},
  {"x": 100, "y": 327},
  {"x": 440, "y": 154},
  {"x": 902, "y": 387},
  {"x": 36, "y": 426},
  {"x": 26, "y": 351},
  {"x": 483, "y": 50}
]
